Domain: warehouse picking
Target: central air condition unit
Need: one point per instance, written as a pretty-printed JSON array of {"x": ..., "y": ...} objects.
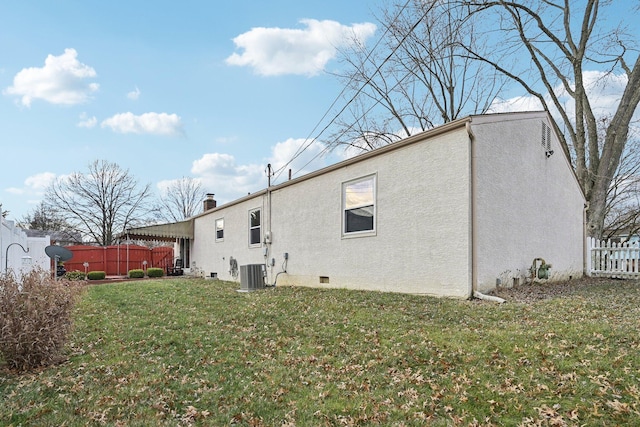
[{"x": 251, "y": 277}]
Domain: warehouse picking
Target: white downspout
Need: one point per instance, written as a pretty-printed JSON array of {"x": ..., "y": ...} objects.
[
  {"x": 473, "y": 293},
  {"x": 586, "y": 253},
  {"x": 492, "y": 298},
  {"x": 473, "y": 247},
  {"x": 266, "y": 229}
]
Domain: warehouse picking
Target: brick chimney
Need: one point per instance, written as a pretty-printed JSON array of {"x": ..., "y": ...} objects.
[{"x": 209, "y": 202}]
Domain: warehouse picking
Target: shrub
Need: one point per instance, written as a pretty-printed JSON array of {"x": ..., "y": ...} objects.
[
  {"x": 155, "y": 272},
  {"x": 96, "y": 275},
  {"x": 75, "y": 275},
  {"x": 35, "y": 318},
  {"x": 136, "y": 274}
]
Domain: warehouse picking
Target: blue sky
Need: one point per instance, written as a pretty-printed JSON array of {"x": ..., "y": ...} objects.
[
  {"x": 210, "y": 90},
  {"x": 205, "y": 89}
]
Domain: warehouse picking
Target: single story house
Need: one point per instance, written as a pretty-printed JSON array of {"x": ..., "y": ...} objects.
[{"x": 458, "y": 209}]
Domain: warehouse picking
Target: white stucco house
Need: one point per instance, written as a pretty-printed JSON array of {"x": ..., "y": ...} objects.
[{"x": 451, "y": 211}]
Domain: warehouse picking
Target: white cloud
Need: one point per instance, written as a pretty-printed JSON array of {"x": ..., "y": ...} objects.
[
  {"x": 147, "y": 123},
  {"x": 86, "y": 121},
  {"x": 62, "y": 80},
  {"x": 222, "y": 175},
  {"x": 603, "y": 89},
  {"x": 277, "y": 51},
  {"x": 308, "y": 157},
  {"x": 134, "y": 94},
  {"x": 518, "y": 103},
  {"x": 35, "y": 184},
  {"x": 14, "y": 190},
  {"x": 223, "y": 164},
  {"x": 39, "y": 182}
]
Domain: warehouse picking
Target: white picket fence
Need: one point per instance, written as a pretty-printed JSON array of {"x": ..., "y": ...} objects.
[{"x": 616, "y": 260}]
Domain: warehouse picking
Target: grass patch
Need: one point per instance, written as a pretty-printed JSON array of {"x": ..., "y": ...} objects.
[{"x": 196, "y": 352}]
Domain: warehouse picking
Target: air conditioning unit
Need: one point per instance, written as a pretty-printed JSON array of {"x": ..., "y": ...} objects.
[{"x": 251, "y": 277}]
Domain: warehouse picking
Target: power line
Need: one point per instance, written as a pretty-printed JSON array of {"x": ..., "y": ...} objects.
[
  {"x": 351, "y": 126},
  {"x": 367, "y": 82},
  {"x": 303, "y": 147}
]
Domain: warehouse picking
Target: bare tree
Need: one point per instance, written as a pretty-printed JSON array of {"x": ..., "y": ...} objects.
[
  {"x": 101, "y": 203},
  {"x": 420, "y": 77},
  {"x": 547, "y": 47},
  {"x": 44, "y": 217},
  {"x": 622, "y": 216},
  {"x": 179, "y": 200}
]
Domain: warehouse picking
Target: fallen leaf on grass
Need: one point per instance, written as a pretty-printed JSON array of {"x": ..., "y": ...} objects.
[{"x": 619, "y": 407}]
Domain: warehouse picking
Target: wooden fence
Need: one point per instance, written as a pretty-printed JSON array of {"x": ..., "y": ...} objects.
[
  {"x": 616, "y": 260},
  {"x": 118, "y": 260}
]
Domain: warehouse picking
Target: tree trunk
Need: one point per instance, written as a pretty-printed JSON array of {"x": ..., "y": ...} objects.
[
  {"x": 560, "y": 54},
  {"x": 612, "y": 150}
]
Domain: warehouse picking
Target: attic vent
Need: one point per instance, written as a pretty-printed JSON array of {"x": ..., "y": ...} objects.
[{"x": 546, "y": 137}]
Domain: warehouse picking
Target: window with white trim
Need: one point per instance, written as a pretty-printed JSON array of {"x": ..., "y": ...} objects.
[
  {"x": 219, "y": 229},
  {"x": 359, "y": 206},
  {"x": 254, "y": 227}
]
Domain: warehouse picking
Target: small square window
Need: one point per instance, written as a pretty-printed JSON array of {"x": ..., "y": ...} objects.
[{"x": 219, "y": 229}]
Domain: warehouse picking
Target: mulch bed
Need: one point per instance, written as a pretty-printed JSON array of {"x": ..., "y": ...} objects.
[{"x": 537, "y": 291}]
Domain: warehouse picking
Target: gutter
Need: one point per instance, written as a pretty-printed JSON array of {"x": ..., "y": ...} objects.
[
  {"x": 473, "y": 283},
  {"x": 430, "y": 133}
]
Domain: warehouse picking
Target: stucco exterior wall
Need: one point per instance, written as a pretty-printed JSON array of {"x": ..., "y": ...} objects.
[
  {"x": 214, "y": 256},
  {"x": 528, "y": 205},
  {"x": 421, "y": 243}
]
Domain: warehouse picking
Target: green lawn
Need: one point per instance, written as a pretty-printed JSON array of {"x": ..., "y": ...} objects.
[{"x": 196, "y": 352}]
